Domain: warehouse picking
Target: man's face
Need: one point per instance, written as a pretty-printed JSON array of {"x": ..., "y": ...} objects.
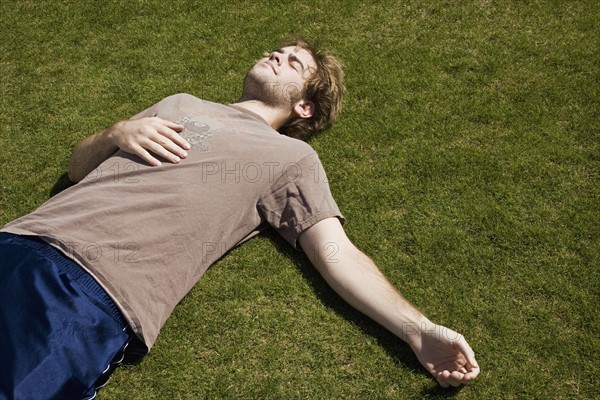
[{"x": 278, "y": 79}]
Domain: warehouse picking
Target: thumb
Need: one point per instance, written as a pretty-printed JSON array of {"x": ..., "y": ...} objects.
[{"x": 468, "y": 352}]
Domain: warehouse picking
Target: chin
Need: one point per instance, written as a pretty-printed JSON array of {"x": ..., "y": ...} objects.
[{"x": 258, "y": 87}]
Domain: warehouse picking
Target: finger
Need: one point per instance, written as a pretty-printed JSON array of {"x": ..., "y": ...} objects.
[
  {"x": 169, "y": 145},
  {"x": 161, "y": 151},
  {"x": 170, "y": 124},
  {"x": 454, "y": 378},
  {"x": 447, "y": 378},
  {"x": 144, "y": 155},
  {"x": 175, "y": 138},
  {"x": 467, "y": 351},
  {"x": 441, "y": 380},
  {"x": 469, "y": 376}
]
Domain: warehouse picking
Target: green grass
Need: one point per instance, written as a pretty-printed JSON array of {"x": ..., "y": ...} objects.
[{"x": 466, "y": 163}]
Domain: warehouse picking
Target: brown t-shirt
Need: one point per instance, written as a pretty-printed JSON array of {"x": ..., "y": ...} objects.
[{"x": 147, "y": 234}]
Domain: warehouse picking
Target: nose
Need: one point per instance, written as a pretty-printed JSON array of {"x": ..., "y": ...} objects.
[{"x": 276, "y": 56}]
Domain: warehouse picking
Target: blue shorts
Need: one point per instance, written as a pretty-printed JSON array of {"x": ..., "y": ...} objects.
[{"x": 60, "y": 333}]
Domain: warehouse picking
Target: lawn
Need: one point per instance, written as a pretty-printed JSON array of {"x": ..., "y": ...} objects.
[{"x": 465, "y": 161}]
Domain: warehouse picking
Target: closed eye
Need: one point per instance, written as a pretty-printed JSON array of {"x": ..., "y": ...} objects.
[{"x": 297, "y": 64}]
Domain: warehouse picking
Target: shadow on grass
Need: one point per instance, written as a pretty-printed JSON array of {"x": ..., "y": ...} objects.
[
  {"x": 396, "y": 348},
  {"x": 61, "y": 184}
]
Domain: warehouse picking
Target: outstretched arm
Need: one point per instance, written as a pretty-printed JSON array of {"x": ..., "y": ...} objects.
[
  {"x": 141, "y": 137},
  {"x": 352, "y": 275}
]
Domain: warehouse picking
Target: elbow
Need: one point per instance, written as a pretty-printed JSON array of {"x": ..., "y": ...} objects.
[
  {"x": 73, "y": 172},
  {"x": 73, "y": 179}
]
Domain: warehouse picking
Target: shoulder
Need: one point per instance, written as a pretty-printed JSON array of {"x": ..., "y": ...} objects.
[
  {"x": 182, "y": 102},
  {"x": 299, "y": 148},
  {"x": 296, "y": 153},
  {"x": 182, "y": 97}
]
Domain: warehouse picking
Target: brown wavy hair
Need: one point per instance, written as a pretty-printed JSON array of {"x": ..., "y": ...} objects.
[{"x": 325, "y": 89}]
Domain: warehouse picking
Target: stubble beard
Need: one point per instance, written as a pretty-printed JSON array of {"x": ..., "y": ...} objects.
[{"x": 258, "y": 86}]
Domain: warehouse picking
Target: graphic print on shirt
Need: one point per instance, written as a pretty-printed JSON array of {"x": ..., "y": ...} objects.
[{"x": 198, "y": 133}]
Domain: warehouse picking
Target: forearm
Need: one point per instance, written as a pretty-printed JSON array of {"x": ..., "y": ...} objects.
[
  {"x": 443, "y": 352},
  {"x": 359, "y": 282},
  {"x": 139, "y": 137},
  {"x": 91, "y": 152}
]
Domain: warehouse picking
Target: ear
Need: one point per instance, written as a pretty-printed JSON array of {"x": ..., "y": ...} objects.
[{"x": 304, "y": 109}]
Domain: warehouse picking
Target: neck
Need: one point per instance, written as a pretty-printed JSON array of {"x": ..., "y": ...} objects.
[{"x": 276, "y": 117}]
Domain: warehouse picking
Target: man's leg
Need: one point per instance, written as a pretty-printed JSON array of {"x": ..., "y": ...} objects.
[{"x": 59, "y": 331}]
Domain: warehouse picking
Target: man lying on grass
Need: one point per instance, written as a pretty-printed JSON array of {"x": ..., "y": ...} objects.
[{"x": 160, "y": 197}]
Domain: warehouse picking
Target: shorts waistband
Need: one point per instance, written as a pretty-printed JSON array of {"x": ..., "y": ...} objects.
[{"x": 73, "y": 270}]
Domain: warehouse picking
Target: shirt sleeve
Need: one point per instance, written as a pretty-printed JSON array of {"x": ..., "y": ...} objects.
[{"x": 298, "y": 199}]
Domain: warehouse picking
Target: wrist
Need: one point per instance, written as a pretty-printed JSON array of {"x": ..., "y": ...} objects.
[
  {"x": 112, "y": 132},
  {"x": 413, "y": 331}
]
